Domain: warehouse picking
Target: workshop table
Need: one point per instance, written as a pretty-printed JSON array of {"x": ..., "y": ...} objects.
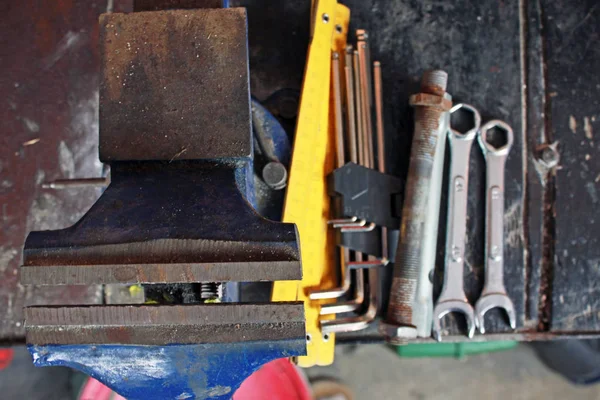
[{"x": 533, "y": 64}]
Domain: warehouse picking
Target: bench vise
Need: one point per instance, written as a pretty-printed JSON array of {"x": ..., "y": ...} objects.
[{"x": 175, "y": 127}]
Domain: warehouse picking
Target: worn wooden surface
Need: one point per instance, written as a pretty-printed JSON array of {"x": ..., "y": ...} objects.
[{"x": 531, "y": 63}]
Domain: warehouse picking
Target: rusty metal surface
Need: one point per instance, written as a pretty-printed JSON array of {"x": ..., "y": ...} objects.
[
  {"x": 157, "y": 5},
  {"x": 161, "y": 273},
  {"x": 175, "y": 86},
  {"x": 164, "y": 223},
  {"x": 49, "y": 111},
  {"x": 160, "y": 325}
]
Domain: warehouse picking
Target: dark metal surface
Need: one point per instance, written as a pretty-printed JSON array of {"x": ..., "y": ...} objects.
[
  {"x": 161, "y": 72},
  {"x": 278, "y": 34},
  {"x": 540, "y": 182},
  {"x": 49, "y": 83},
  {"x": 364, "y": 242},
  {"x": 162, "y": 223},
  {"x": 163, "y": 325},
  {"x": 372, "y": 335},
  {"x": 572, "y": 117}
]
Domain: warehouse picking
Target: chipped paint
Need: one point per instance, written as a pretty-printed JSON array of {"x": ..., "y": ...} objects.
[
  {"x": 31, "y": 125},
  {"x": 69, "y": 41},
  {"x": 202, "y": 371},
  {"x": 66, "y": 161},
  {"x": 85, "y": 127},
  {"x": 7, "y": 254},
  {"x": 31, "y": 142},
  {"x": 591, "y": 189},
  {"x": 587, "y": 128},
  {"x": 572, "y": 124},
  {"x": 5, "y": 185},
  {"x": 214, "y": 392}
]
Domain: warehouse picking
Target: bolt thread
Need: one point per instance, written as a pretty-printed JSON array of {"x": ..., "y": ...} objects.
[{"x": 434, "y": 82}]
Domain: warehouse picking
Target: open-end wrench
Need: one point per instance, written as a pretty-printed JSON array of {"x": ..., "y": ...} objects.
[
  {"x": 494, "y": 293},
  {"x": 453, "y": 298}
]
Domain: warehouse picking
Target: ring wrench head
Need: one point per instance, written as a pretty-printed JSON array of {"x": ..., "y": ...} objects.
[
  {"x": 486, "y": 141},
  {"x": 494, "y": 300},
  {"x": 473, "y": 125},
  {"x": 446, "y": 307}
]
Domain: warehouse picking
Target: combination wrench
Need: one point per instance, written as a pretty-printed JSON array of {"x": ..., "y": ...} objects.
[
  {"x": 452, "y": 297},
  {"x": 494, "y": 293}
]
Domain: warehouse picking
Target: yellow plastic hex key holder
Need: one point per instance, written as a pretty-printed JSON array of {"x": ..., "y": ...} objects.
[{"x": 307, "y": 203}]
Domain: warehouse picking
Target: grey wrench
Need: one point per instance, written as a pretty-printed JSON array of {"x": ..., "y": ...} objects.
[
  {"x": 453, "y": 298},
  {"x": 494, "y": 293}
]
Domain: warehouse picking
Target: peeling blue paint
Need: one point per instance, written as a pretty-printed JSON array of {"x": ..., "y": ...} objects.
[{"x": 202, "y": 371}]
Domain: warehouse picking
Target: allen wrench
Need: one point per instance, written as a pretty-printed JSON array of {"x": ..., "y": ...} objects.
[
  {"x": 360, "y": 322},
  {"x": 346, "y": 281}
]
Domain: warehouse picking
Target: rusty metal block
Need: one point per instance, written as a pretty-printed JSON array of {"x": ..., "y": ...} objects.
[
  {"x": 175, "y": 86},
  {"x": 160, "y": 325},
  {"x": 157, "y": 5}
]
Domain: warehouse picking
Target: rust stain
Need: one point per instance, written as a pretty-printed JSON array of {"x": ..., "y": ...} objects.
[
  {"x": 125, "y": 274},
  {"x": 123, "y": 45},
  {"x": 45, "y": 35},
  {"x": 431, "y": 100},
  {"x": 128, "y": 39},
  {"x": 64, "y": 7},
  {"x": 118, "y": 334}
]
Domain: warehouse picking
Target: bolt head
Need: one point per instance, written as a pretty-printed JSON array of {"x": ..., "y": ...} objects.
[
  {"x": 548, "y": 156},
  {"x": 275, "y": 175}
]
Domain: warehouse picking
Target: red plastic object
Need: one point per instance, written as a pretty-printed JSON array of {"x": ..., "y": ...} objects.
[
  {"x": 277, "y": 380},
  {"x": 94, "y": 390},
  {"x": 6, "y": 357}
]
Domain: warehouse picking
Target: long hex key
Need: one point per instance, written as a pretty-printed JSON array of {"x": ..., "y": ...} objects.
[
  {"x": 453, "y": 298},
  {"x": 360, "y": 322},
  {"x": 355, "y": 303},
  {"x": 346, "y": 280},
  {"x": 494, "y": 293}
]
